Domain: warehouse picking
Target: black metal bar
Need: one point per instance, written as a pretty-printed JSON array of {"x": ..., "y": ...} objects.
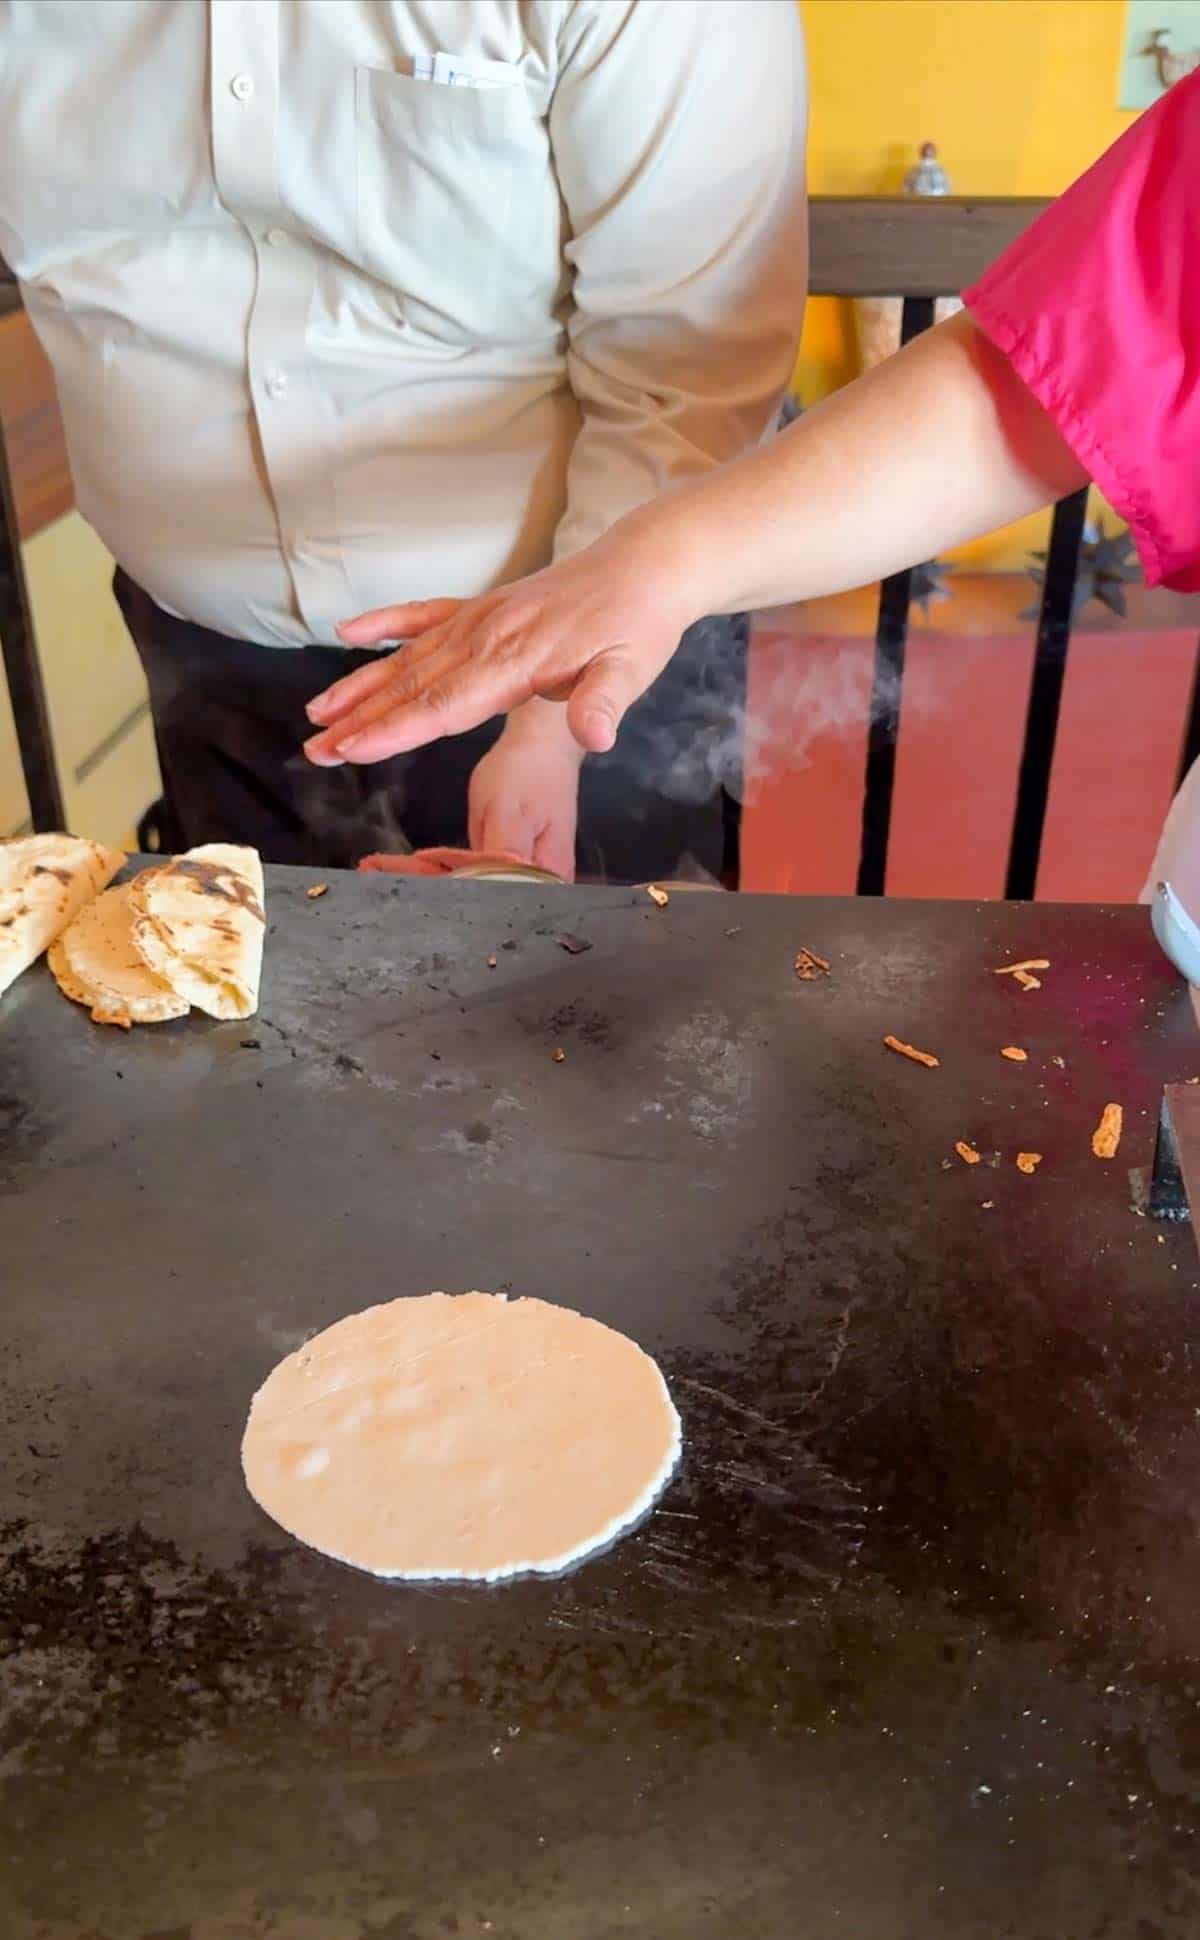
[
  {"x": 1191, "y": 733},
  {"x": 733, "y": 791},
  {"x": 1045, "y": 696},
  {"x": 883, "y": 729},
  {"x": 26, "y": 692}
]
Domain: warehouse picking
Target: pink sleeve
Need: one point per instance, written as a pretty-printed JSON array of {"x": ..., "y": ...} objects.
[{"x": 1097, "y": 308}]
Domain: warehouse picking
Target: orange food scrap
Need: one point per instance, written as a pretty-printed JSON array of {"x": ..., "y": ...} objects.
[
  {"x": 560, "y": 1057},
  {"x": 1015, "y": 1054},
  {"x": 966, "y": 1153},
  {"x": 1028, "y": 1161},
  {"x": 657, "y": 895},
  {"x": 1021, "y": 969},
  {"x": 809, "y": 966},
  {"x": 911, "y": 1052},
  {"x": 1107, "y": 1135},
  {"x": 318, "y": 889}
]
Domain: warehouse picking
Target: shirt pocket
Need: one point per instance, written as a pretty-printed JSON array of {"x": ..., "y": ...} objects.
[{"x": 447, "y": 181}]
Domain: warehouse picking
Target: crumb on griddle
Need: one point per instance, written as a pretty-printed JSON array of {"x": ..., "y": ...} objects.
[
  {"x": 657, "y": 895},
  {"x": 966, "y": 1153},
  {"x": 572, "y": 944},
  {"x": 559, "y": 1057},
  {"x": 1028, "y": 1161},
  {"x": 491, "y": 963},
  {"x": 911, "y": 1052},
  {"x": 1021, "y": 969},
  {"x": 317, "y": 889},
  {"x": 809, "y": 966},
  {"x": 1107, "y": 1135},
  {"x": 1015, "y": 1054}
]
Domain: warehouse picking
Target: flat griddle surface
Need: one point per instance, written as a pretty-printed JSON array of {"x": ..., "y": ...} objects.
[{"x": 910, "y": 1647}]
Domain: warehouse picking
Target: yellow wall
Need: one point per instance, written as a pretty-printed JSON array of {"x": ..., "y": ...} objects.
[{"x": 1020, "y": 96}]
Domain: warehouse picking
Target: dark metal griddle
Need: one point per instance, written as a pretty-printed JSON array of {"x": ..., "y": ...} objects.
[{"x": 909, "y": 1649}]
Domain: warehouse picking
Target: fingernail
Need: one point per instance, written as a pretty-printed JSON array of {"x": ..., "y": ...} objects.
[
  {"x": 315, "y": 709},
  {"x": 351, "y": 742},
  {"x": 321, "y": 753},
  {"x": 598, "y": 722}
]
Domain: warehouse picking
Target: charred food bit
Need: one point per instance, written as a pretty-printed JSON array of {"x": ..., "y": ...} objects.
[{"x": 911, "y": 1052}]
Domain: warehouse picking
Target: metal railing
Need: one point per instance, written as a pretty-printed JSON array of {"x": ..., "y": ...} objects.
[{"x": 918, "y": 249}]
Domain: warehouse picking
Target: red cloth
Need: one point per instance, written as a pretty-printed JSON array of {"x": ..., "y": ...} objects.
[
  {"x": 436, "y": 862},
  {"x": 1097, "y": 308}
]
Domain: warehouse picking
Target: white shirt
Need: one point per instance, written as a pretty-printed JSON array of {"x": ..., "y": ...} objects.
[{"x": 327, "y": 335}]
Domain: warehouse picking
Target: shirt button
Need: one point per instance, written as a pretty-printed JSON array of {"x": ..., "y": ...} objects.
[
  {"x": 277, "y": 238},
  {"x": 242, "y": 86},
  {"x": 276, "y": 381}
]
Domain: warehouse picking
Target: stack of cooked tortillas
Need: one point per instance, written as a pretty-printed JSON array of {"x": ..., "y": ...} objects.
[
  {"x": 45, "y": 880},
  {"x": 189, "y": 931}
]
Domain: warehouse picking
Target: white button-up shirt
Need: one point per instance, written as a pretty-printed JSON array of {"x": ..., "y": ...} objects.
[{"x": 327, "y": 334}]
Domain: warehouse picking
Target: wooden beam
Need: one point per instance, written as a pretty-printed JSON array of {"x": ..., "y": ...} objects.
[
  {"x": 891, "y": 245},
  {"x": 33, "y": 433}
]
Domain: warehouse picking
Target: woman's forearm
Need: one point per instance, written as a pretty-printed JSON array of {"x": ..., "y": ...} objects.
[{"x": 939, "y": 444}]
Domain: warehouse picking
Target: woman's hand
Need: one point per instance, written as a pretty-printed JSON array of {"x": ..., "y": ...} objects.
[
  {"x": 594, "y": 631},
  {"x": 938, "y": 444}
]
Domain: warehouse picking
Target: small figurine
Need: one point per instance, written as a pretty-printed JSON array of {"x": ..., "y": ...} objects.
[
  {"x": 1171, "y": 67},
  {"x": 928, "y": 177}
]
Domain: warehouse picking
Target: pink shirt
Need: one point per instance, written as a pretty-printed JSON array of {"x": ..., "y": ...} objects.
[{"x": 1097, "y": 308}]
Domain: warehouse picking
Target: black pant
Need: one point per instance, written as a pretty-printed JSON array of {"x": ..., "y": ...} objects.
[{"x": 229, "y": 720}]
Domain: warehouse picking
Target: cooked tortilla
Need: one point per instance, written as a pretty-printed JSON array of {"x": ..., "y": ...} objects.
[
  {"x": 45, "y": 880},
  {"x": 198, "y": 924},
  {"x": 96, "y": 964}
]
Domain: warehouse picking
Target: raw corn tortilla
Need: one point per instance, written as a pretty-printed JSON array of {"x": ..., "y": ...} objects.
[
  {"x": 45, "y": 880},
  {"x": 198, "y": 923},
  {"x": 95, "y": 964},
  {"x": 463, "y": 1436}
]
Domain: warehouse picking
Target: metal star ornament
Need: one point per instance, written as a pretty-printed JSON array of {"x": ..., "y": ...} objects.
[
  {"x": 1107, "y": 564},
  {"x": 928, "y": 583}
]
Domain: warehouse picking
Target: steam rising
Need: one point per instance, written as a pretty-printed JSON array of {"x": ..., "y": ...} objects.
[{"x": 698, "y": 735}]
